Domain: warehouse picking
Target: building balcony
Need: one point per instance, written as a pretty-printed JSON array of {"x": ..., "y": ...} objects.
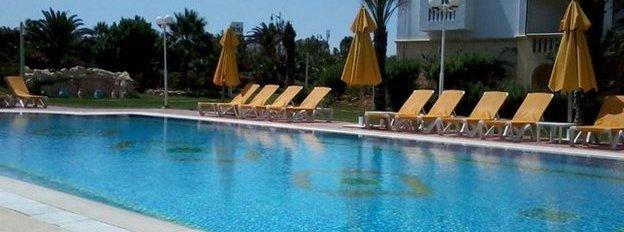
[
  {"x": 544, "y": 43},
  {"x": 432, "y": 20}
]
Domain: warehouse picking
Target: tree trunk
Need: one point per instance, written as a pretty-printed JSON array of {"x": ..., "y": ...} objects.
[
  {"x": 381, "y": 43},
  {"x": 595, "y": 11}
]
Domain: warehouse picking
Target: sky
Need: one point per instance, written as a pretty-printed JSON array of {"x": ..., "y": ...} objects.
[{"x": 310, "y": 17}]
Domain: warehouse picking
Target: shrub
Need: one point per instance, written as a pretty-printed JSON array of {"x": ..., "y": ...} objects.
[
  {"x": 516, "y": 95},
  {"x": 466, "y": 68},
  {"x": 610, "y": 73},
  {"x": 133, "y": 94},
  {"x": 329, "y": 76},
  {"x": 474, "y": 73},
  {"x": 7, "y": 69},
  {"x": 402, "y": 75}
]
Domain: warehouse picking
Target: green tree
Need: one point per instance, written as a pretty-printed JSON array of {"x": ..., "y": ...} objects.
[
  {"x": 266, "y": 63},
  {"x": 102, "y": 47},
  {"x": 345, "y": 45},
  {"x": 9, "y": 55},
  {"x": 268, "y": 37},
  {"x": 288, "y": 40},
  {"x": 193, "y": 54},
  {"x": 277, "y": 59},
  {"x": 56, "y": 37},
  {"x": 320, "y": 58},
  {"x": 381, "y": 11},
  {"x": 132, "y": 41},
  {"x": 9, "y": 45},
  {"x": 613, "y": 44}
]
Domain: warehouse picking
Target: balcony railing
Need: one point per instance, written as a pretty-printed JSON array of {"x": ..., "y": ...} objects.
[
  {"x": 432, "y": 20},
  {"x": 438, "y": 16},
  {"x": 544, "y": 43}
]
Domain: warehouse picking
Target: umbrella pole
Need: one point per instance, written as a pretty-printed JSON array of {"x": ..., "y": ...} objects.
[
  {"x": 570, "y": 99},
  {"x": 222, "y": 93},
  {"x": 362, "y": 102}
]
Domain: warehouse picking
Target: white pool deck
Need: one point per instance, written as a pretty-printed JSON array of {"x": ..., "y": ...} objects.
[{"x": 28, "y": 207}]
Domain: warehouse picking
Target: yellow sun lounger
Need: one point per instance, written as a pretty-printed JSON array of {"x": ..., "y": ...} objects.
[
  {"x": 281, "y": 101},
  {"x": 444, "y": 107},
  {"x": 223, "y": 108},
  {"x": 414, "y": 105},
  {"x": 529, "y": 113},
  {"x": 486, "y": 109},
  {"x": 610, "y": 122},
  {"x": 21, "y": 93},
  {"x": 305, "y": 111},
  {"x": 6, "y": 100},
  {"x": 259, "y": 100}
]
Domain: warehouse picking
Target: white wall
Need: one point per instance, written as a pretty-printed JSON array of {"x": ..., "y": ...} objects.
[
  {"x": 545, "y": 16},
  {"x": 488, "y": 19}
]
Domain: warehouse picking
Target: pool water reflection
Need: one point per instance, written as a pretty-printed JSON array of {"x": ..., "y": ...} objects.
[{"x": 226, "y": 177}]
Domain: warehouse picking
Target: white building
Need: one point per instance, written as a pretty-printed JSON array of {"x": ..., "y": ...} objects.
[
  {"x": 522, "y": 32},
  {"x": 238, "y": 28}
]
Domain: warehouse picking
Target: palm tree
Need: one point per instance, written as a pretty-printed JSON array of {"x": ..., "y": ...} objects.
[
  {"x": 267, "y": 36},
  {"x": 193, "y": 54},
  {"x": 188, "y": 27},
  {"x": 381, "y": 11},
  {"x": 56, "y": 36},
  {"x": 9, "y": 43},
  {"x": 132, "y": 42}
]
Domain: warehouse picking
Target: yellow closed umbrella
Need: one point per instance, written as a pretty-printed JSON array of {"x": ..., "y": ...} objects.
[
  {"x": 573, "y": 68},
  {"x": 361, "y": 68},
  {"x": 226, "y": 74}
]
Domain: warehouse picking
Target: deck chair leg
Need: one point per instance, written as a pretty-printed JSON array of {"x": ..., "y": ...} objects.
[
  {"x": 399, "y": 125},
  {"x": 616, "y": 140},
  {"x": 611, "y": 139},
  {"x": 404, "y": 125},
  {"x": 488, "y": 132},
  {"x": 220, "y": 111},
  {"x": 481, "y": 128},
  {"x": 504, "y": 131},
  {"x": 215, "y": 109},
  {"x": 467, "y": 130},
  {"x": 528, "y": 128},
  {"x": 437, "y": 125},
  {"x": 572, "y": 136},
  {"x": 446, "y": 128},
  {"x": 462, "y": 128},
  {"x": 428, "y": 128},
  {"x": 576, "y": 138},
  {"x": 43, "y": 103},
  {"x": 587, "y": 138},
  {"x": 471, "y": 131}
]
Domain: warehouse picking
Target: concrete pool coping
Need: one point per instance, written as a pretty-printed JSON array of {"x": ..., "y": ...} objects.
[
  {"x": 125, "y": 220},
  {"x": 53, "y": 210}
]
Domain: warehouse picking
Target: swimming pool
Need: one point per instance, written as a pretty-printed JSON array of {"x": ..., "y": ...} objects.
[{"x": 227, "y": 177}]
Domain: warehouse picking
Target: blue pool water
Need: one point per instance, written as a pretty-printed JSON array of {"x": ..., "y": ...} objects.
[{"x": 226, "y": 177}]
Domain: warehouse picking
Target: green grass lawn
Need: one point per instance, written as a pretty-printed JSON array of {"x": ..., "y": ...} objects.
[
  {"x": 342, "y": 112},
  {"x": 145, "y": 101}
]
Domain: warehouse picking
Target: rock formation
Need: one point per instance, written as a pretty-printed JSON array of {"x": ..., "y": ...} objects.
[{"x": 80, "y": 82}]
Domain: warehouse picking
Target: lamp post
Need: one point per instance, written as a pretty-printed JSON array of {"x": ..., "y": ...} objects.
[
  {"x": 21, "y": 51},
  {"x": 444, "y": 7},
  {"x": 163, "y": 23}
]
